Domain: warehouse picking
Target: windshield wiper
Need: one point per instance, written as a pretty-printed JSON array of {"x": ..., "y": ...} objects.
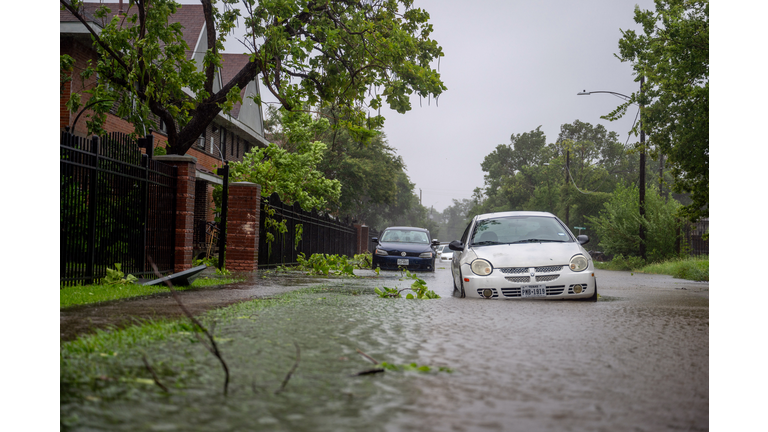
[
  {"x": 485, "y": 243},
  {"x": 537, "y": 240}
]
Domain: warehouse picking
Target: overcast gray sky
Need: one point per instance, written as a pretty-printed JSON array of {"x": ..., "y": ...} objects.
[{"x": 510, "y": 66}]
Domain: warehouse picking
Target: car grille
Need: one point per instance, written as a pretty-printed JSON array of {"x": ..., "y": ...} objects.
[
  {"x": 519, "y": 270},
  {"x": 518, "y": 279},
  {"x": 396, "y": 253},
  {"x": 515, "y": 292},
  {"x": 495, "y": 293},
  {"x": 514, "y": 270},
  {"x": 547, "y": 278},
  {"x": 555, "y": 290},
  {"x": 548, "y": 269}
]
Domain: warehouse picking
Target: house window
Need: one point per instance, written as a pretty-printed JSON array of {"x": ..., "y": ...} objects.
[
  {"x": 223, "y": 141},
  {"x": 201, "y": 141}
]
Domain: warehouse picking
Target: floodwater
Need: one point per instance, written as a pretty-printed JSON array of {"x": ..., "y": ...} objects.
[{"x": 637, "y": 360}]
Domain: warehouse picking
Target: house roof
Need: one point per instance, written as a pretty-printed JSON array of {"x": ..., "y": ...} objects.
[
  {"x": 231, "y": 64},
  {"x": 190, "y": 17}
]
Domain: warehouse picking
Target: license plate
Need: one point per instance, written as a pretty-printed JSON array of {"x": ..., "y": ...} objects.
[
  {"x": 402, "y": 262},
  {"x": 533, "y": 290}
]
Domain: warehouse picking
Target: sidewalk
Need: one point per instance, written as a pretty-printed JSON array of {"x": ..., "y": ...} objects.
[{"x": 79, "y": 320}]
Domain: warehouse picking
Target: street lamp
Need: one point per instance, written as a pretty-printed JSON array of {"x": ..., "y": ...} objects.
[{"x": 643, "y": 253}]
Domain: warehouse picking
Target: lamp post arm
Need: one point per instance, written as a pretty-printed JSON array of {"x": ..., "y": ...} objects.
[{"x": 586, "y": 93}]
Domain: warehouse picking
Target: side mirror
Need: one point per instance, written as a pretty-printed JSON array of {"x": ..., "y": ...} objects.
[
  {"x": 435, "y": 242},
  {"x": 375, "y": 239},
  {"x": 456, "y": 246},
  {"x": 583, "y": 239}
]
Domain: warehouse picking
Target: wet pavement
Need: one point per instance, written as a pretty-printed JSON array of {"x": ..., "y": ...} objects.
[
  {"x": 80, "y": 320},
  {"x": 637, "y": 360}
]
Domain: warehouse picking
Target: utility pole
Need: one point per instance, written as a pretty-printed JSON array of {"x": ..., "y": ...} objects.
[
  {"x": 567, "y": 173},
  {"x": 643, "y": 252},
  {"x": 642, "y": 158}
]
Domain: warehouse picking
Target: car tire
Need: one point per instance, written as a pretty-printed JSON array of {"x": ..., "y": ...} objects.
[
  {"x": 593, "y": 298},
  {"x": 455, "y": 288},
  {"x": 462, "y": 294}
]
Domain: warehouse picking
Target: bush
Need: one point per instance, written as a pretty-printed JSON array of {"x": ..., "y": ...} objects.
[
  {"x": 618, "y": 224},
  {"x": 697, "y": 270},
  {"x": 628, "y": 263}
]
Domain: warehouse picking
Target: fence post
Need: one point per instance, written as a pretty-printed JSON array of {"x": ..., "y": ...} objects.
[
  {"x": 224, "y": 173},
  {"x": 148, "y": 144},
  {"x": 245, "y": 220},
  {"x": 92, "y": 200},
  {"x": 185, "y": 208}
]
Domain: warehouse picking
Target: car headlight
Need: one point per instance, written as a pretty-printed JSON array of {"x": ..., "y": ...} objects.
[
  {"x": 426, "y": 255},
  {"x": 381, "y": 252},
  {"x": 481, "y": 267},
  {"x": 579, "y": 263}
]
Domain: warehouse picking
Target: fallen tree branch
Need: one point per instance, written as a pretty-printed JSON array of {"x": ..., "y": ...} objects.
[
  {"x": 154, "y": 375},
  {"x": 212, "y": 347},
  {"x": 290, "y": 372},
  {"x": 367, "y": 356},
  {"x": 369, "y": 372}
]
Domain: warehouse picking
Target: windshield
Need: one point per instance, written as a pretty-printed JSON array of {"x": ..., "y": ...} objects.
[
  {"x": 517, "y": 229},
  {"x": 405, "y": 236}
]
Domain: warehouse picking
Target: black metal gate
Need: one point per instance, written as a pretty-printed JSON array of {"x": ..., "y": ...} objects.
[
  {"x": 117, "y": 206},
  {"x": 307, "y": 232}
]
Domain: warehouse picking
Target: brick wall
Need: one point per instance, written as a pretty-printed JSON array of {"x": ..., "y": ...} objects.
[{"x": 243, "y": 222}]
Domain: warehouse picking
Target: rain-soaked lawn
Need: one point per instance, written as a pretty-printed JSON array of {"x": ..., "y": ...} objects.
[{"x": 105, "y": 384}]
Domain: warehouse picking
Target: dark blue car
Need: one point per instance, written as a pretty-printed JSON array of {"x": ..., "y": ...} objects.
[{"x": 405, "y": 247}]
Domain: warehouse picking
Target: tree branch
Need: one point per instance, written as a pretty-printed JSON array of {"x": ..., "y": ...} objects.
[{"x": 95, "y": 35}]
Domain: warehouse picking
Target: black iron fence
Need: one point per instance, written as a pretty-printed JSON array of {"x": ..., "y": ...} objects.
[
  {"x": 696, "y": 237},
  {"x": 306, "y": 232},
  {"x": 371, "y": 234},
  {"x": 117, "y": 206}
]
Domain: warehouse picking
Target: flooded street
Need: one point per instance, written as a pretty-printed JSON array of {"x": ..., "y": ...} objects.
[{"x": 637, "y": 360}]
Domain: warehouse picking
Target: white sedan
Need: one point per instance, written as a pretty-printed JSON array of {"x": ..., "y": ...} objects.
[
  {"x": 517, "y": 255},
  {"x": 445, "y": 254}
]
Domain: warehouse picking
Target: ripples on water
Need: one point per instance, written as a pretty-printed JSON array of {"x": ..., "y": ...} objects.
[{"x": 635, "y": 363}]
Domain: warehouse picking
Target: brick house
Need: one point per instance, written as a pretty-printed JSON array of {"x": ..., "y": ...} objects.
[{"x": 227, "y": 138}]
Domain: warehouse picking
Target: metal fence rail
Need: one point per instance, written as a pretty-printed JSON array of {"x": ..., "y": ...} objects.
[
  {"x": 316, "y": 234},
  {"x": 117, "y": 206},
  {"x": 696, "y": 240}
]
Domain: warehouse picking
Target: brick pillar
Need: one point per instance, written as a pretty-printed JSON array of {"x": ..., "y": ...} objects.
[
  {"x": 185, "y": 208},
  {"x": 362, "y": 238},
  {"x": 244, "y": 219}
]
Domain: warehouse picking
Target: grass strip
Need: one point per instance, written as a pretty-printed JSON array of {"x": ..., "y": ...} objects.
[
  {"x": 690, "y": 268},
  {"x": 90, "y": 294}
]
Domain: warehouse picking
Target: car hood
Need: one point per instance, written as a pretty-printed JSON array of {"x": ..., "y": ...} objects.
[
  {"x": 405, "y": 247},
  {"x": 529, "y": 254}
]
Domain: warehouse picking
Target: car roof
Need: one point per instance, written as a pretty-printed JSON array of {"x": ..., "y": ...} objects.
[
  {"x": 514, "y": 213},
  {"x": 408, "y": 228}
]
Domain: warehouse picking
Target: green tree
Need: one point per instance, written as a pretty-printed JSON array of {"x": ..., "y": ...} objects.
[
  {"x": 672, "y": 54},
  {"x": 618, "y": 222},
  {"x": 350, "y": 54},
  {"x": 293, "y": 175},
  {"x": 512, "y": 171},
  {"x": 455, "y": 219},
  {"x": 364, "y": 171}
]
